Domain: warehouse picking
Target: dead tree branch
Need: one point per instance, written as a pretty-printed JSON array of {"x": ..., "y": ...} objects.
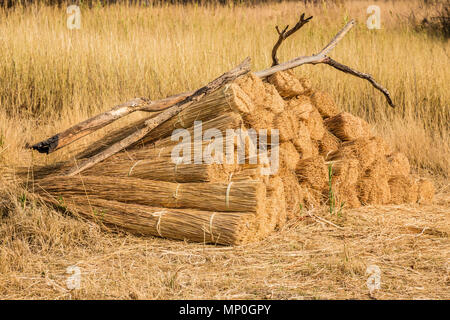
[
  {"x": 368, "y": 77},
  {"x": 322, "y": 57},
  {"x": 283, "y": 35},
  {"x": 165, "y": 115}
]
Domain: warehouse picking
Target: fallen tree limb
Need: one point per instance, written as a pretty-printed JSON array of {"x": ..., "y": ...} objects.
[{"x": 152, "y": 123}]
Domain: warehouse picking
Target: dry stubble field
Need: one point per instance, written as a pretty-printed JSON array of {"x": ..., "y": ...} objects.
[{"x": 52, "y": 77}]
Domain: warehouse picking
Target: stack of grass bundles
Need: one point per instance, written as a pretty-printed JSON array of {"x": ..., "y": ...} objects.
[{"x": 322, "y": 152}]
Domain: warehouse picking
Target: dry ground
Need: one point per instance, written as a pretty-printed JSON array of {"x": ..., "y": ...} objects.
[{"x": 309, "y": 259}]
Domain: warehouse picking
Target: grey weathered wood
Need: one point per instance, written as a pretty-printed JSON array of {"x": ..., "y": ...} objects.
[{"x": 165, "y": 115}]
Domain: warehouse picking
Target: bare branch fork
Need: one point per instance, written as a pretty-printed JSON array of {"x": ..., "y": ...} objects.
[
  {"x": 322, "y": 57},
  {"x": 283, "y": 35}
]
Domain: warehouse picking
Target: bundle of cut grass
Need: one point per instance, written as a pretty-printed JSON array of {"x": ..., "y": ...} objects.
[
  {"x": 303, "y": 143},
  {"x": 425, "y": 190},
  {"x": 234, "y": 196},
  {"x": 301, "y": 106},
  {"x": 347, "y": 127},
  {"x": 313, "y": 172},
  {"x": 228, "y": 228},
  {"x": 345, "y": 175},
  {"x": 293, "y": 193},
  {"x": 398, "y": 164},
  {"x": 315, "y": 125},
  {"x": 365, "y": 150},
  {"x": 324, "y": 104},
  {"x": 287, "y": 125},
  {"x": 328, "y": 144},
  {"x": 373, "y": 191},
  {"x": 403, "y": 189},
  {"x": 288, "y": 85}
]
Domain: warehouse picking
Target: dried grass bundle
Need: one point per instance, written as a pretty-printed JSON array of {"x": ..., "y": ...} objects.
[
  {"x": 344, "y": 179},
  {"x": 403, "y": 189},
  {"x": 222, "y": 122},
  {"x": 163, "y": 169},
  {"x": 276, "y": 203},
  {"x": 288, "y": 157},
  {"x": 313, "y": 172},
  {"x": 324, "y": 104},
  {"x": 303, "y": 143},
  {"x": 426, "y": 191},
  {"x": 346, "y": 196},
  {"x": 301, "y": 106},
  {"x": 365, "y": 150},
  {"x": 328, "y": 143},
  {"x": 235, "y": 196},
  {"x": 347, "y": 127},
  {"x": 398, "y": 164},
  {"x": 287, "y": 124},
  {"x": 293, "y": 194},
  {"x": 373, "y": 191},
  {"x": 345, "y": 171},
  {"x": 379, "y": 169},
  {"x": 315, "y": 125},
  {"x": 272, "y": 100},
  {"x": 260, "y": 119},
  {"x": 288, "y": 85},
  {"x": 228, "y": 228}
]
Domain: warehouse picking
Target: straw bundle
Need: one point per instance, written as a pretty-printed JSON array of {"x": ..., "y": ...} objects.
[
  {"x": 272, "y": 100},
  {"x": 426, "y": 191},
  {"x": 228, "y": 228},
  {"x": 230, "y": 98},
  {"x": 288, "y": 156},
  {"x": 293, "y": 193},
  {"x": 403, "y": 189},
  {"x": 398, "y": 164},
  {"x": 313, "y": 172},
  {"x": 263, "y": 95},
  {"x": 221, "y": 122},
  {"x": 163, "y": 169},
  {"x": 315, "y": 125},
  {"x": 324, "y": 104},
  {"x": 373, "y": 191},
  {"x": 260, "y": 120},
  {"x": 379, "y": 169},
  {"x": 287, "y": 124},
  {"x": 238, "y": 196},
  {"x": 344, "y": 179},
  {"x": 328, "y": 143},
  {"x": 363, "y": 149},
  {"x": 276, "y": 203},
  {"x": 301, "y": 106},
  {"x": 347, "y": 127},
  {"x": 345, "y": 171},
  {"x": 288, "y": 85},
  {"x": 303, "y": 143}
]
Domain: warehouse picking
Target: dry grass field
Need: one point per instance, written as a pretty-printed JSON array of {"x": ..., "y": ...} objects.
[{"x": 52, "y": 77}]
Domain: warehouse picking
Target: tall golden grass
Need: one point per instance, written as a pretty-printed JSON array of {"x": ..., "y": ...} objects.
[{"x": 52, "y": 77}]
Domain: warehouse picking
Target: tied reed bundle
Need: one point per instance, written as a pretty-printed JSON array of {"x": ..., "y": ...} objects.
[
  {"x": 228, "y": 228},
  {"x": 288, "y": 85},
  {"x": 324, "y": 104},
  {"x": 347, "y": 127},
  {"x": 234, "y": 196}
]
